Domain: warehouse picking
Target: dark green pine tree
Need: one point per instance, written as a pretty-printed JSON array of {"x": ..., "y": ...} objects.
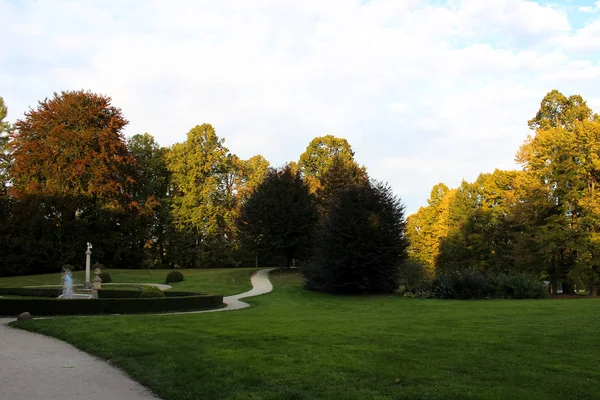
[
  {"x": 279, "y": 218},
  {"x": 361, "y": 243}
]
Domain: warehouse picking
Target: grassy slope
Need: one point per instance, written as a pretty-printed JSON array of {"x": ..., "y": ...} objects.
[
  {"x": 218, "y": 281},
  {"x": 298, "y": 345}
]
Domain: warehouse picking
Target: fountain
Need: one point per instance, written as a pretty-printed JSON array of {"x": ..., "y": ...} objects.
[
  {"x": 67, "y": 291},
  {"x": 67, "y": 279}
]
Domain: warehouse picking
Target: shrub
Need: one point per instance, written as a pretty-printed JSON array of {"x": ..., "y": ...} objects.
[
  {"x": 174, "y": 276},
  {"x": 412, "y": 275},
  {"x": 467, "y": 285},
  {"x": 479, "y": 285},
  {"x": 522, "y": 286},
  {"x": 105, "y": 276},
  {"x": 151, "y": 292}
]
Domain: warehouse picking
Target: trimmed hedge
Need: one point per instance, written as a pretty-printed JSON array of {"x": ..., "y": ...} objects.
[
  {"x": 134, "y": 294},
  {"x": 151, "y": 292},
  {"x": 105, "y": 276},
  {"x": 34, "y": 292},
  {"x": 178, "y": 301}
]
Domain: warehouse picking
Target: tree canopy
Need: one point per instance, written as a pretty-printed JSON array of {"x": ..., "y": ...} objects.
[{"x": 72, "y": 145}]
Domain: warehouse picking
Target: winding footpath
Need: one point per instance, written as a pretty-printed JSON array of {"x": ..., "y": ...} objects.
[{"x": 33, "y": 366}]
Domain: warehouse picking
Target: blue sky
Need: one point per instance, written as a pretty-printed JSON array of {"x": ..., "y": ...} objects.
[{"x": 425, "y": 92}]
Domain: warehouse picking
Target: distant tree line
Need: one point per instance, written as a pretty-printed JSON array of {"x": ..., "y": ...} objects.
[
  {"x": 543, "y": 219},
  {"x": 69, "y": 176}
]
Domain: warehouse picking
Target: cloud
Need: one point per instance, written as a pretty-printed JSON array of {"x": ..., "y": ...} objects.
[{"x": 424, "y": 92}]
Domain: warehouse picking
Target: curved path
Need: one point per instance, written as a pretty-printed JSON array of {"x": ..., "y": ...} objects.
[{"x": 33, "y": 366}]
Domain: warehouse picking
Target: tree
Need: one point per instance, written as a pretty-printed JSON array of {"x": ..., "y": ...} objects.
[
  {"x": 562, "y": 167},
  {"x": 429, "y": 226},
  {"x": 279, "y": 218},
  {"x": 71, "y": 182},
  {"x": 319, "y": 156},
  {"x": 151, "y": 192},
  {"x": 557, "y": 110},
  {"x": 341, "y": 174},
  {"x": 252, "y": 173},
  {"x": 203, "y": 205},
  {"x": 361, "y": 243},
  {"x": 5, "y": 155},
  {"x": 72, "y": 145}
]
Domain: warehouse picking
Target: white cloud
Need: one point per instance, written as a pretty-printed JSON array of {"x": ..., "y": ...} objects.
[{"x": 424, "y": 93}]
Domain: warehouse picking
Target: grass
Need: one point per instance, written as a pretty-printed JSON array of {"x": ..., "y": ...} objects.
[
  {"x": 225, "y": 281},
  {"x": 294, "y": 344}
]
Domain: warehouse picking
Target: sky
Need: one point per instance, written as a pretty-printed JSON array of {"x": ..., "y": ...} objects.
[{"x": 424, "y": 91}]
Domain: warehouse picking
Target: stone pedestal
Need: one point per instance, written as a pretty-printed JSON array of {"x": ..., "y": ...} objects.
[{"x": 97, "y": 283}]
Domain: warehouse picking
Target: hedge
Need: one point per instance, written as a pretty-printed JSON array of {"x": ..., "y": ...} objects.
[
  {"x": 34, "y": 292},
  {"x": 173, "y": 302}
]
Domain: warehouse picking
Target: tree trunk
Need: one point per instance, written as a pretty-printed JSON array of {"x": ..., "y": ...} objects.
[
  {"x": 567, "y": 287},
  {"x": 553, "y": 283}
]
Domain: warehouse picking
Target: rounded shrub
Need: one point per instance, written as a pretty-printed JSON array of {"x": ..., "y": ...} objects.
[
  {"x": 151, "y": 292},
  {"x": 174, "y": 276},
  {"x": 105, "y": 276}
]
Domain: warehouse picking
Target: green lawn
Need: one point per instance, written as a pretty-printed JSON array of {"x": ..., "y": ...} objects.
[
  {"x": 294, "y": 344},
  {"x": 225, "y": 281}
]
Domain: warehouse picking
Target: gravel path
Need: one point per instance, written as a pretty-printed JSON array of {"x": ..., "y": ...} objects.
[{"x": 34, "y": 366}]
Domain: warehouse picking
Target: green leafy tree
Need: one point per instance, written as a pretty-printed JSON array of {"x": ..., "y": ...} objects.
[
  {"x": 279, "y": 218},
  {"x": 151, "y": 193},
  {"x": 361, "y": 244},
  {"x": 5, "y": 154},
  {"x": 319, "y": 157},
  {"x": 203, "y": 207}
]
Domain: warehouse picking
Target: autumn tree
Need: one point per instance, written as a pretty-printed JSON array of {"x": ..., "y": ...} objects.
[
  {"x": 562, "y": 167},
  {"x": 429, "y": 226},
  {"x": 559, "y": 111},
  {"x": 361, "y": 244},
  {"x": 71, "y": 174},
  {"x": 252, "y": 173},
  {"x": 479, "y": 235},
  {"x": 72, "y": 145},
  {"x": 279, "y": 218}
]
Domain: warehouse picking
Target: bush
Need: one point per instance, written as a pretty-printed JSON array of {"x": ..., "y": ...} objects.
[
  {"x": 466, "y": 285},
  {"x": 174, "y": 276},
  {"x": 361, "y": 243},
  {"x": 105, "y": 276},
  {"x": 413, "y": 275},
  {"x": 151, "y": 292},
  {"x": 522, "y": 286}
]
